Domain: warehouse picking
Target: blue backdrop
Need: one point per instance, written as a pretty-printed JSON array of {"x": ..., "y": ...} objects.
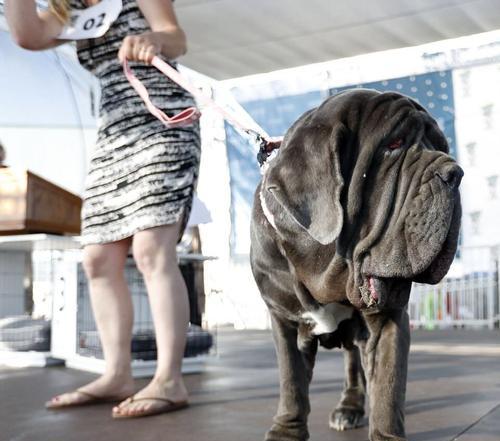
[{"x": 434, "y": 91}]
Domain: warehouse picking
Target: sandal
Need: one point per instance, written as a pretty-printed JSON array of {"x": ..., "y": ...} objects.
[
  {"x": 88, "y": 400},
  {"x": 166, "y": 407}
]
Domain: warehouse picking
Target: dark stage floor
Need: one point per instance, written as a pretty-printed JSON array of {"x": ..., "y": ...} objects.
[{"x": 453, "y": 394}]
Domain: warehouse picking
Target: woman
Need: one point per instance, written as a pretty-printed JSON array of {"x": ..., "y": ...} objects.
[{"x": 138, "y": 191}]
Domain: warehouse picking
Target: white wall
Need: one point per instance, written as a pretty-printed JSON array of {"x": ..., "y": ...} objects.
[
  {"x": 232, "y": 297},
  {"x": 477, "y": 123},
  {"x": 58, "y": 155},
  {"x": 47, "y": 122}
]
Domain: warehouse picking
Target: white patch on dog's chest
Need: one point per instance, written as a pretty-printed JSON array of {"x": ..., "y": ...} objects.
[{"x": 327, "y": 318}]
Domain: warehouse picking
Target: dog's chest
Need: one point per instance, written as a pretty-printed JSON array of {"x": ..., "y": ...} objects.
[{"x": 327, "y": 318}]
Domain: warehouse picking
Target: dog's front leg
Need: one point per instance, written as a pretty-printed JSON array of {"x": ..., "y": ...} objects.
[
  {"x": 350, "y": 410},
  {"x": 386, "y": 365},
  {"x": 295, "y": 367}
]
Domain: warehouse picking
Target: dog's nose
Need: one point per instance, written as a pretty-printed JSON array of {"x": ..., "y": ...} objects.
[{"x": 451, "y": 174}]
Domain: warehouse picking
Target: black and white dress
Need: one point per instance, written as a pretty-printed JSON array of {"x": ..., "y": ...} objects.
[{"x": 142, "y": 174}]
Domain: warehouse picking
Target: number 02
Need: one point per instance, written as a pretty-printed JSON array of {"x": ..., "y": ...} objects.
[{"x": 91, "y": 22}]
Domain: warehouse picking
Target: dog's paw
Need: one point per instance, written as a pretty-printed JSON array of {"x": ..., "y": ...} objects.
[
  {"x": 283, "y": 433},
  {"x": 346, "y": 419}
]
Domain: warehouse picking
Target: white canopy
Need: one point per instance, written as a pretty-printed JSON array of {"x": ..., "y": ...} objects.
[{"x": 233, "y": 38}]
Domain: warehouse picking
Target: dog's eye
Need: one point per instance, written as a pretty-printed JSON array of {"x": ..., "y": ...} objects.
[{"x": 396, "y": 144}]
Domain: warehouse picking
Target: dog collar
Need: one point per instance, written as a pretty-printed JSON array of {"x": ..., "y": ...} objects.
[{"x": 265, "y": 209}]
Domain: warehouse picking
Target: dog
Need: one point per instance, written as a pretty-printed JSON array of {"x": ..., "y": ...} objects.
[{"x": 361, "y": 200}]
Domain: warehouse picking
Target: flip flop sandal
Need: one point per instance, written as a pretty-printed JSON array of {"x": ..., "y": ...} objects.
[
  {"x": 90, "y": 399},
  {"x": 166, "y": 407}
]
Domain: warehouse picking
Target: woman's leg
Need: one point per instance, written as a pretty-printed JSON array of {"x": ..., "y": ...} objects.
[
  {"x": 155, "y": 256},
  {"x": 112, "y": 307}
]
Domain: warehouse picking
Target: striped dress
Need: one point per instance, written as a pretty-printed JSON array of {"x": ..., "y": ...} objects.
[{"x": 141, "y": 175}]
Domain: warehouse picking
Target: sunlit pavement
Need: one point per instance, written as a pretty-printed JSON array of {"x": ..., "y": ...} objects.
[{"x": 453, "y": 394}]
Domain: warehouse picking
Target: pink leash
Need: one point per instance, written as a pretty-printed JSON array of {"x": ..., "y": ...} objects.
[
  {"x": 184, "y": 118},
  {"x": 191, "y": 114}
]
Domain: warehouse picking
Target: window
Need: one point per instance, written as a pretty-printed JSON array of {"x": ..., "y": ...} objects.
[
  {"x": 488, "y": 116},
  {"x": 475, "y": 217},
  {"x": 465, "y": 79},
  {"x": 492, "y": 182},
  {"x": 471, "y": 153}
]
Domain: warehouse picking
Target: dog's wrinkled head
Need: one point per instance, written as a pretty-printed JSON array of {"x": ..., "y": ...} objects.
[{"x": 369, "y": 174}]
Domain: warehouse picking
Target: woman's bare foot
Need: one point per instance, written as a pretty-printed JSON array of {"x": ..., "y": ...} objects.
[
  {"x": 105, "y": 388},
  {"x": 155, "y": 396}
]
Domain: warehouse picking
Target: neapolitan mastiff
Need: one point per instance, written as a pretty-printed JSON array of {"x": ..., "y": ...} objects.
[{"x": 361, "y": 200}]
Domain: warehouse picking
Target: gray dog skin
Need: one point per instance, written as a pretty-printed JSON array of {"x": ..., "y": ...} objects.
[{"x": 361, "y": 200}]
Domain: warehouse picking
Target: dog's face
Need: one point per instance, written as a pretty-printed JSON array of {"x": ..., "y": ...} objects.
[{"x": 377, "y": 184}]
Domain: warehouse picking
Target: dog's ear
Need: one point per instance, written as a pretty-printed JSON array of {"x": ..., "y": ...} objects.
[{"x": 306, "y": 180}]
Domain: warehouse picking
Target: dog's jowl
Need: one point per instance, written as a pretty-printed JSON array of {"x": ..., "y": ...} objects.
[{"x": 361, "y": 200}]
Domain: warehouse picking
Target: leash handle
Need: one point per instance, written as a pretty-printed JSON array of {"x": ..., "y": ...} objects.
[
  {"x": 183, "y": 118},
  {"x": 176, "y": 77}
]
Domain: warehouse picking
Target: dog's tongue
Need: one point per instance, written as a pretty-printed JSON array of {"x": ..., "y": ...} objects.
[{"x": 373, "y": 291}]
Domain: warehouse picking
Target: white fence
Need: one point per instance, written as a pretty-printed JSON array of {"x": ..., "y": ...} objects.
[{"x": 468, "y": 296}]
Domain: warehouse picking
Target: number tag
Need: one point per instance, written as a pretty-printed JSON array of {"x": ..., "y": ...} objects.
[{"x": 92, "y": 22}]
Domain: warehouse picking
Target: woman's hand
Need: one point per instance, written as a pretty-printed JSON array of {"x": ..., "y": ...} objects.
[
  {"x": 166, "y": 36},
  {"x": 142, "y": 47}
]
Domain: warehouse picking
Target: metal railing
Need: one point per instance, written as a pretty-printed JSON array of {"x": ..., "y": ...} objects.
[{"x": 467, "y": 297}]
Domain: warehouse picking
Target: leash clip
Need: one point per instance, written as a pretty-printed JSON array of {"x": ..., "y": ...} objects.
[
  {"x": 266, "y": 147},
  {"x": 263, "y": 153}
]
